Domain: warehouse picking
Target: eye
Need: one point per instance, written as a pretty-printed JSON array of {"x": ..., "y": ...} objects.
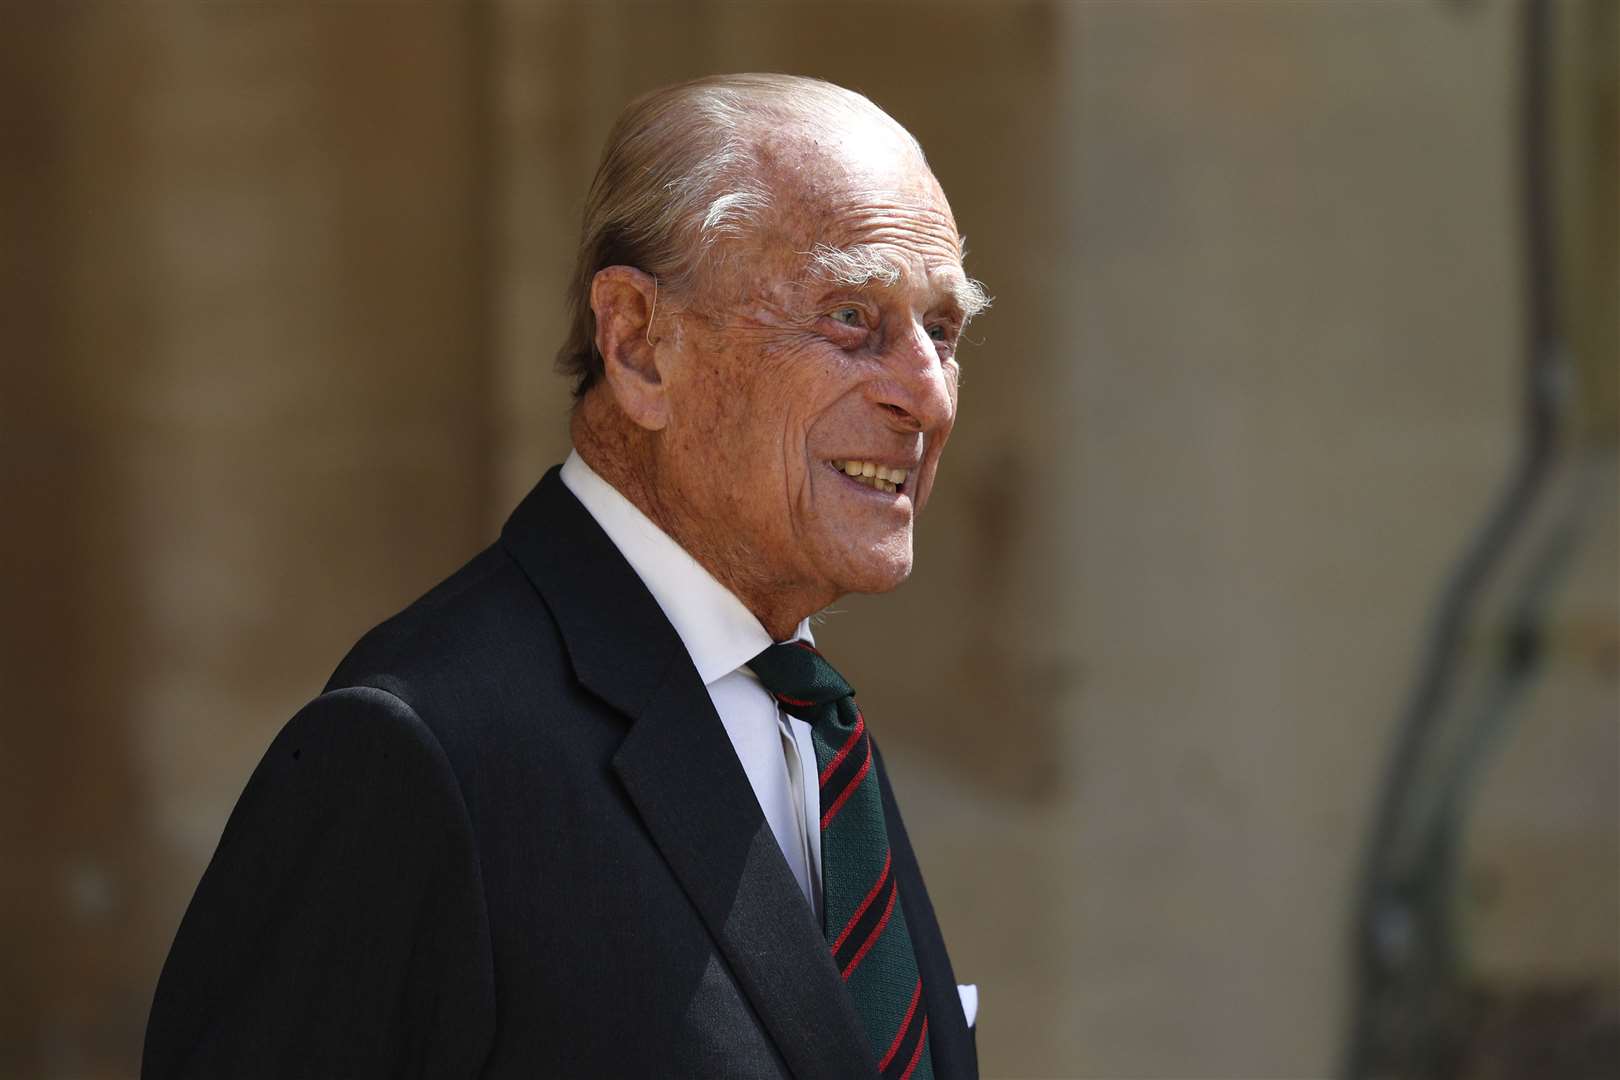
[
  {"x": 849, "y": 316},
  {"x": 945, "y": 334}
]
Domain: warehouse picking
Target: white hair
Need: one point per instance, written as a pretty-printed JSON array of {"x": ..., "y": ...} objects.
[
  {"x": 854, "y": 266},
  {"x": 863, "y": 264}
]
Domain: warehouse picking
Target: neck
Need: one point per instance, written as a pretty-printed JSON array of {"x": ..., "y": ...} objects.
[{"x": 625, "y": 455}]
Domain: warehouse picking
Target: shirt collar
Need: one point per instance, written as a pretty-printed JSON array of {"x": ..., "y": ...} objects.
[{"x": 719, "y": 632}]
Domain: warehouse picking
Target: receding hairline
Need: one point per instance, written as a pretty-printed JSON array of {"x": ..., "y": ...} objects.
[{"x": 811, "y": 170}]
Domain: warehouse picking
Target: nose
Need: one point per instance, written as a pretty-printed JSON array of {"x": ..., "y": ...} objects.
[{"x": 915, "y": 391}]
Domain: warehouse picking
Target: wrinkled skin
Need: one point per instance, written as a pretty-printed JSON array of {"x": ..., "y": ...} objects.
[{"x": 720, "y": 418}]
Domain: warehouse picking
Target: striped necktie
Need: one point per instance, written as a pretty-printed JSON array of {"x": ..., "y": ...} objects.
[{"x": 861, "y": 912}]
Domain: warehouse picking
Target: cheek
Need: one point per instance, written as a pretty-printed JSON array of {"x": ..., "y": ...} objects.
[
  {"x": 796, "y": 389},
  {"x": 715, "y": 401},
  {"x": 953, "y": 390}
]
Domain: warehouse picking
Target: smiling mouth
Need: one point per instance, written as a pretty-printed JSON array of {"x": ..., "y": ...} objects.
[{"x": 873, "y": 475}]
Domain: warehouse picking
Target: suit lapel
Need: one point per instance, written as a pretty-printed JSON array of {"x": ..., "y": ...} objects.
[{"x": 683, "y": 777}]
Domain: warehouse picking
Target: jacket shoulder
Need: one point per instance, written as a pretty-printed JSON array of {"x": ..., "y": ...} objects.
[
  {"x": 472, "y": 644},
  {"x": 468, "y": 620}
]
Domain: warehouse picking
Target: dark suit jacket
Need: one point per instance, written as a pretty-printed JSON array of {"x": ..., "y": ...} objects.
[{"x": 511, "y": 839}]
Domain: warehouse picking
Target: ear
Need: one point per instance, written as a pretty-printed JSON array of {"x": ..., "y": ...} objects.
[{"x": 625, "y": 300}]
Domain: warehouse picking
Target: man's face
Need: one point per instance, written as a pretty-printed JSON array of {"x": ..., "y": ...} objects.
[{"x": 794, "y": 379}]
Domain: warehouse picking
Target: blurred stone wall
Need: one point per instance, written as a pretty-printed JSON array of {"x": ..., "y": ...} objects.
[
  {"x": 246, "y": 410},
  {"x": 285, "y": 283}
]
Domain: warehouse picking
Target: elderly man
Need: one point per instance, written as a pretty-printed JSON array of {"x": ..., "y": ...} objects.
[{"x": 595, "y": 806}]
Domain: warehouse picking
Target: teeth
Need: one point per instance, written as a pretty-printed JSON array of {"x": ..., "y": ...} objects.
[{"x": 873, "y": 475}]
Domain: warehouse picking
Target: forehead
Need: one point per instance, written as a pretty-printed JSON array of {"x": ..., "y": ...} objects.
[
  {"x": 865, "y": 196},
  {"x": 894, "y": 225}
]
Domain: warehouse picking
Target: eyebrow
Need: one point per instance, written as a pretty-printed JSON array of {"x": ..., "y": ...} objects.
[{"x": 863, "y": 264}]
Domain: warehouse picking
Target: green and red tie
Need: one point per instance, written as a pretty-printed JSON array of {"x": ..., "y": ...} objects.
[{"x": 861, "y": 911}]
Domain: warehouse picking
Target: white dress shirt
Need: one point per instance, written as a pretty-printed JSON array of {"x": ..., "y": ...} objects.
[{"x": 721, "y": 636}]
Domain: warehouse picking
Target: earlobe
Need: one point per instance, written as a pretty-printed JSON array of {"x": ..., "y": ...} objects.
[{"x": 625, "y": 301}]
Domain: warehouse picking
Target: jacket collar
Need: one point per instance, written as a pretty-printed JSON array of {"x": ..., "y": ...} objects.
[{"x": 683, "y": 777}]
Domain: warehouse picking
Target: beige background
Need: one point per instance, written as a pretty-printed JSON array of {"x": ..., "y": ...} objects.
[{"x": 281, "y": 287}]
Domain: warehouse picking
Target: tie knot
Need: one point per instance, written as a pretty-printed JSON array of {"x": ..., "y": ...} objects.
[{"x": 799, "y": 676}]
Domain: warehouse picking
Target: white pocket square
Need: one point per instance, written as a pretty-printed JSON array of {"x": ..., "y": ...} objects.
[{"x": 970, "y": 1001}]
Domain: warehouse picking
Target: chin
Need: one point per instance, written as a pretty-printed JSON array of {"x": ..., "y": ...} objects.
[{"x": 877, "y": 575}]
